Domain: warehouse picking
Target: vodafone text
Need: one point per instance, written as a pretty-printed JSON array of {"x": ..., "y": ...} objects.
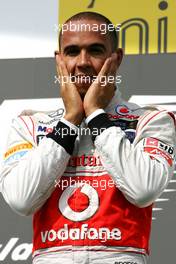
[{"x": 82, "y": 233}]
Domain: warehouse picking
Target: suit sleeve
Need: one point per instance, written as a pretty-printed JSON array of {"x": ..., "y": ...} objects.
[
  {"x": 29, "y": 171},
  {"x": 141, "y": 170}
]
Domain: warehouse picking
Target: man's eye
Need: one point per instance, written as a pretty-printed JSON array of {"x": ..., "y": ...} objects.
[
  {"x": 96, "y": 51},
  {"x": 72, "y": 52}
]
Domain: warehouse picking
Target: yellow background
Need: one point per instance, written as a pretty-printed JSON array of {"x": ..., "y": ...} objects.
[{"x": 119, "y": 11}]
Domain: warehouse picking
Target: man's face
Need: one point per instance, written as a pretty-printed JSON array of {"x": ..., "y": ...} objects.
[{"x": 84, "y": 53}]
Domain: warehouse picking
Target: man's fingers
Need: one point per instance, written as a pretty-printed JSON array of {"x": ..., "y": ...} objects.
[
  {"x": 109, "y": 68},
  {"x": 109, "y": 65},
  {"x": 58, "y": 67},
  {"x": 62, "y": 70},
  {"x": 62, "y": 66},
  {"x": 114, "y": 65},
  {"x": 105, "y": 69}
]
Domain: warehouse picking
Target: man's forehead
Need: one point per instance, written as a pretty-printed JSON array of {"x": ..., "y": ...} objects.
[{"x": 88, "y": 31}]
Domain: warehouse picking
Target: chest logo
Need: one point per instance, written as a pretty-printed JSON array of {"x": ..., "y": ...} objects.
[{"x": 79, "y": 202}]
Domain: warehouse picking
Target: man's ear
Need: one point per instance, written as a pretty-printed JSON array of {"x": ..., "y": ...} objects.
[
  {"x": 119, "y": 53},
  {"x": 57, "y": 55},
  {"x": 56, "y": 52},
  {"x": 57, "y": 58}
]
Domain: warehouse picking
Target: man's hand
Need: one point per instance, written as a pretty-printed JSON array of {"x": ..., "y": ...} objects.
[
  {"x": 101, "y": 91},
  {"x": 71, "y": 98}
]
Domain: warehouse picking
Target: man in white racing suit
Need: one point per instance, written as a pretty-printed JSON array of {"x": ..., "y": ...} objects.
[{"x": 90, "y": 171}]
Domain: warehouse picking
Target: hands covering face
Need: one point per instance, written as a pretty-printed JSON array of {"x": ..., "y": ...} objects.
[{"x": 99, "y": 93}]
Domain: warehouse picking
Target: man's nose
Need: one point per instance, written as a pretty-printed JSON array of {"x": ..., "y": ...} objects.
[{"x": 83, "y": 59}]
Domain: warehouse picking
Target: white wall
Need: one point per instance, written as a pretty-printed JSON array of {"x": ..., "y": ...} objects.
[{"x": 27, "y": 28}]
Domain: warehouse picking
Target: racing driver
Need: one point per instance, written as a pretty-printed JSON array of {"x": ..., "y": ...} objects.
[{"x": 90, "y": 171}]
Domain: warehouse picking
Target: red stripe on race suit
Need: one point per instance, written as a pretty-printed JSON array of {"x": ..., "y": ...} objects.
[
  {"x": 173, "y": 117},
  {"x": 147, "y": 121},
  {"x": 33, "y": 129},
  {"x": 26, "y": 125}
]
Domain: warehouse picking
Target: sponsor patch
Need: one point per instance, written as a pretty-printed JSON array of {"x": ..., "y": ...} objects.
[
  {"x": 48, "y": 122},
  {"x": 57, "y": 114},
  {"x": 158, "y": 152},
  {"x": 153, "y": 142},
  {"x": 156, "y": 147},
  {"x": 18, "y": 148},
  {"x": 72, "y": 234},
  {"x": 124, "y": 113},
  {"x": 84, "y": 160},
  {"x": 45, "y": 129},
  {"x": 124, "y": 117},
  {"x": 15, "y": 157}
]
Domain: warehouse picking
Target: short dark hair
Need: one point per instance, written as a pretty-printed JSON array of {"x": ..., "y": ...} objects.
[{"x": 94, "y": 16}]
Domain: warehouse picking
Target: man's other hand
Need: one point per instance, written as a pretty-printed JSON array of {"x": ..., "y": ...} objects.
[
  {"x": 102, "y": 89},
  {"x": 74, "y": 111}
]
